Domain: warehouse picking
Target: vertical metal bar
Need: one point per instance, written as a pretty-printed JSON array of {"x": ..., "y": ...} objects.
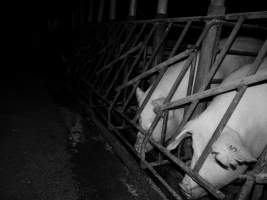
[
  {"x": 162, "y": 7},
  {"x": 156, "y": 82},
  {"x": 248, "y": 185},
  {"x": 172, "y": 90},
  {"x": 125, "y": 61},
  {"x": 167, "y": 99},
  {"x": 230, "y": 110},
  {"x": 213, "y": 70},
  {"x": 108, "y": 73},
  {"x": 132, "y": 9},
  {"x": 141, "y": 51},
  {"x": 112, "y": 11},
  {"x": 207, "y": 51},
  {"x": 100, "y": 11},
  {"x": 148, "y": 65},
  {"x": 105, "y": 51},
  {"x": 220, "y": 127},
  {"x": 110, "y": 53}
]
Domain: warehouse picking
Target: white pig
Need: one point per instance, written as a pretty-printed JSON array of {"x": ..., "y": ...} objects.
[
  {"x": 230, "y": 63},
  {"x": 241, "y": 142}
]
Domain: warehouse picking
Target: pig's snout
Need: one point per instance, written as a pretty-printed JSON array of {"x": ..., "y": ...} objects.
[
  {"x": 139, "y": 140},
  {"x": 186, "y": 190}
]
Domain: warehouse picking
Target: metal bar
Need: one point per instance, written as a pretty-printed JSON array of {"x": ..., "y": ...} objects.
[
  {"x": 250, "y": 80},
  {"x": 136, "y": 59},
  {"x": 163, "y": 70},
  {"x": 231, "y": 16},
  {"x": 140, "y": 53},
  {"x": 132, "y": 50},
  {"x": 230, "y": 110},
  {"x": 259, "y": 178},
  {"x": 155, "y": 69},
  {"x": 109, "y": 57},
  {"x": 213, "y": 70},
  {"x": 118, "y": 29},
  {"x": 112, "y": 10},
  {"x": 220, "y": 128},
  {"x": 202, "y": 182},
  {"x": 174, "y": 88},
  {"x": 124, "y": 62},
  {"x": 197, "y": 178},
  {"x": 260, "y": 165},
  {"x": 125, "y": 156},
  {"x": 167, "y": 99}
]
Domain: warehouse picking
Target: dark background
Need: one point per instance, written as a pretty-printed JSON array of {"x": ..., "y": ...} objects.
[{"x": 51, "y": 42}]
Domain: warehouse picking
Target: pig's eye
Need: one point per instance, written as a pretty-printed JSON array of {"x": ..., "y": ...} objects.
[{"x": 214, "y": 153}]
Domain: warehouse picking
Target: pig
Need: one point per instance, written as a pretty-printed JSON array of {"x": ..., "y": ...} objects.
[
  {"x": 241, "y": 142},
  {"x": 230, "y": 63}
]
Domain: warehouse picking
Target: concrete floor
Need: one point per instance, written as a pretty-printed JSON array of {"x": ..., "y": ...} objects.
[{"x": 36, "y": 162}]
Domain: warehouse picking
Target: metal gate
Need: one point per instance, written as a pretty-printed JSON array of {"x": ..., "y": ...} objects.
[{"x": 122, "y": 56}]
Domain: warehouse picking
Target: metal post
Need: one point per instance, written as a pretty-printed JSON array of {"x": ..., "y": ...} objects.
[
  {"x": 162, "y": 8},
  {"x": 91, "y": 11},
  {"x": 161, "y": 13},
  {"x": 207, "y": 50},
  {"x": 100, "y": 11},
  {"x": 112, "y": 11},
  {"x": 132, "y": 9}
]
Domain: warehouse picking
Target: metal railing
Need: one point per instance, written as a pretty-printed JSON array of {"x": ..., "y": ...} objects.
[{"x": 108, "y": 74}]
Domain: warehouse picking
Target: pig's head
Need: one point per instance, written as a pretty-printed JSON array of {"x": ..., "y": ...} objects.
[
  {"x": 147, "y": 117},
  {"x": 228, "y": 159}
]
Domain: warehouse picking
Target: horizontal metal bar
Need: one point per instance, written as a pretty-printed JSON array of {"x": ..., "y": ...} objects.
[
  {"x": 129, "y": 161},
  {"x": 195, "y": 176},
  {"x": 259, "y": 178},
  {"x": 156, "y": 68},
  {"x": 148, "y": 166},
  {"x": 218, "y": 131},
  {"x": 214, "y": 91},
  {"x": 158, "y": 163},
  {"x": 231, "y": 16},
  {"x": 202, "y": 182}
]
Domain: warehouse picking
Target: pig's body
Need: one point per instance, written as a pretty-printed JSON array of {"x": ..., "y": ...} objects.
[
  {"x": 230, "y": 63},
  {"x": 242, "y": 140}
]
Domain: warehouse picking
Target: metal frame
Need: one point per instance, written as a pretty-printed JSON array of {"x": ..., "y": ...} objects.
[{"x": 118, "y": 65}]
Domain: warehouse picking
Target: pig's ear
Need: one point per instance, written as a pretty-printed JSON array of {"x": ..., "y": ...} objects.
[
  {"x": 230, "y": 151},
  {"x": 139, "y": 94},
  {"x": 158, "y": 102},
  {"x": 174, "y": 143}
]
